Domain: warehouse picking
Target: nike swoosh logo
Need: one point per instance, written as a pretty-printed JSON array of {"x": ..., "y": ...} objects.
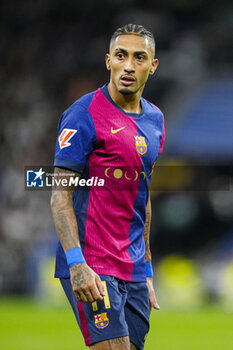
[{"x": 116, "y": 130}]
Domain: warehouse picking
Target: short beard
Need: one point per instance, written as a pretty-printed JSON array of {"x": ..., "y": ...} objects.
[{"x": 126, "y": 91}]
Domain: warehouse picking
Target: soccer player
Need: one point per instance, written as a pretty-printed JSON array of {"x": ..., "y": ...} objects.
[{"x": 103, "y": 257}]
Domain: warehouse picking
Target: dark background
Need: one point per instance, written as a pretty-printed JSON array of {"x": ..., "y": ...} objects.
[{"x": 52, "y": 52}]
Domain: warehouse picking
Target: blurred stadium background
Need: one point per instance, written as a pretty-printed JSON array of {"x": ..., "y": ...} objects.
[{"x": 52, "y": 52}]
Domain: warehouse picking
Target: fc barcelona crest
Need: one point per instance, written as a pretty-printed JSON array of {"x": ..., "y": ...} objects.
[
  {"x": 101, "y": 320},
  {"x": 141, "y": 145}
]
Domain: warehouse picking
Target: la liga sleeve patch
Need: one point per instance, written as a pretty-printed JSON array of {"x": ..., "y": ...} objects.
[{"x": 65, "y": 137}]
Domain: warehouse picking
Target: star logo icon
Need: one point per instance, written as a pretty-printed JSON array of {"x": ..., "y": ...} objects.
[
  {"x": 39, "y": 174},
  {"x": 35, "y": 178}
]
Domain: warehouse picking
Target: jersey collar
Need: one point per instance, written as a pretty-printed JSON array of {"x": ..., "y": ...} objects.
[{"x": 104, "y": 90}]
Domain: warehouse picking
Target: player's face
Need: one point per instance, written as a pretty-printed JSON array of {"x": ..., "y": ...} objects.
[{"x": 131, "y": 60}]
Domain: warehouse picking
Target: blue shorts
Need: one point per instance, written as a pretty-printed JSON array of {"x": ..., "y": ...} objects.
[{"x": 124, "y": 311}]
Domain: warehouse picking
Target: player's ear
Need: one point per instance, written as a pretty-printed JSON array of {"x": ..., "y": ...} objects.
[
  {"x": 154, "y": 65},
  {"x": 107, "y": 61}
]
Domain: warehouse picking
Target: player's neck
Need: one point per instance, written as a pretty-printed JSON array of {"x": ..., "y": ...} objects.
[{"x": 130, "y": 103}]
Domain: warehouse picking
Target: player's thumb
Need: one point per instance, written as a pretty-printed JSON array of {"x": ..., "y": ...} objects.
[{"x": 100, "y": 285}]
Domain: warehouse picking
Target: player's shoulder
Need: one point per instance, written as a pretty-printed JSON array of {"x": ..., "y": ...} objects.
[
  {"x": 82, "y": 104},
  {"x": 152, "y": 108},
  {"x": 77, "y": 113},
  {"x": 153, "y": 112}
]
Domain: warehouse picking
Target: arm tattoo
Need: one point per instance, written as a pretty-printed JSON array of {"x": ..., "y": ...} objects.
[
  {"x": 81, "y": 277},
  {"x": 146, "y": 232},
  {"x": 78, "y": 279},
  {"x": 123, "y": 343},
  {"x": 63, "y": 213}
]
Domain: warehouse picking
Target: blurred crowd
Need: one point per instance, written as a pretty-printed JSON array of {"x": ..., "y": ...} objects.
[{"x": 52, "y": 52}]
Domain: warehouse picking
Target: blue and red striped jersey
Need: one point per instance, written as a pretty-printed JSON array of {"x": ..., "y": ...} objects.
[{"x": 99, "y": 140}]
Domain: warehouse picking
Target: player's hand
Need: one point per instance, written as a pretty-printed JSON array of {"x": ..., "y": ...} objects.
[
  {"x": 86, "y": 284},
  {"x": 152, "y": 296}
]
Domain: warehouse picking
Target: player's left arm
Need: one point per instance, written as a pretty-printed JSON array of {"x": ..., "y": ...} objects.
[{"x": 146, "y": 235}]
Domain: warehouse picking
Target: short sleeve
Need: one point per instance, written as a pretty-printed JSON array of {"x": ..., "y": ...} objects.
[
  {"x": 76, "y": 138},
  {"x": 162, "y": 138}
]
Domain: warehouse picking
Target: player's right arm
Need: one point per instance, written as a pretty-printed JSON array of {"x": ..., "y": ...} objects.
[{"x": 86, "y": 284}]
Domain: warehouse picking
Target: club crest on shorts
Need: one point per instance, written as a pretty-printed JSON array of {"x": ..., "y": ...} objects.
[
  {"x": 141, "y": 145},
  {"x": 101, "y": 320}
]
